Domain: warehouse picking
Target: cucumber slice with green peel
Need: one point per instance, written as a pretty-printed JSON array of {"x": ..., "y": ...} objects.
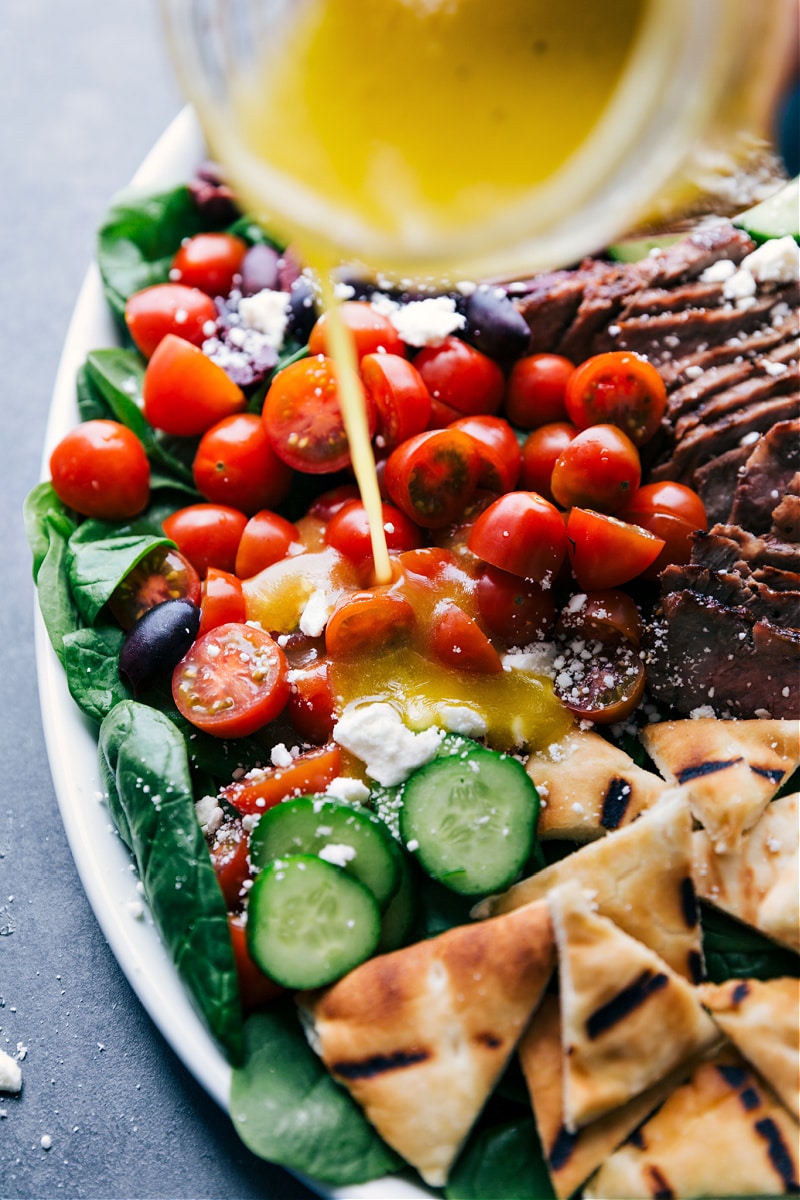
[
  {"x": 352, "y": 838},
  {"x": 777, "y": 216},
  {"x": 634, "y": 249},
  {"x": 309, "y": 923},
  {"x": 470, "y": 819}
]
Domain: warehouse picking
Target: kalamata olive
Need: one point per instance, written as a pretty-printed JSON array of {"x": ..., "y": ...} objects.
[
  {"x": 302, "y": 308},
  {"x": 157, "y": 642},
  {"x": 260, "y": 269},
  {"x": 495, "y": 326}
]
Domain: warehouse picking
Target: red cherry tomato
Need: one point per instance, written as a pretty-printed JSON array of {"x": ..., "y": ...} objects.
[
  {"x": 433, "y": 477},
  {"x": 603, "y": 616},
  {"x": 184, "y": 392},
  {"x": 255, "y": 988},
  {"x": 368, "y": 621},
  {"x": 599, "y": 469},
  {"x": 311, "y": 705},
  {"x": 324, "y": 507},
  {"x": 230, "y": 857},
  {"x": 499, "y": 450},
  {"x": 457, "y": 641},
  {"x": 101, "y": 470},
  {"x": 535, "y": 390},
  {"x": 208, "y": 534},
  {"x": 605, "y": 552},
  {"x": 163, "y": 574},
  {"x": 521, "y": 533},
  {"x": 232, "y": 682},
  {"x": 461, "y": 380},
  {"x": 674, "y": 499},
  {"x": 236, "y": 465},
  {"x": 303, "y": 419},
  {"x": 263, "y": 789},
  {"x": 168, "y": 308},
  {"x": 266, "y": 540},
  {"x": 619, "y": 389},
  {"x": 518, "y": 610},
  {"x": 429, "y": 561},
  {"x": 401, "y": 399},
  {"x": 348, "y": 532},
  {"x": 540, "y": 452},
  {"x": 209, "y": 261},
  {"x": 607, "y": 686},
  {"x": 372, "y": 331},
  {"x": 222, "y": 600}
]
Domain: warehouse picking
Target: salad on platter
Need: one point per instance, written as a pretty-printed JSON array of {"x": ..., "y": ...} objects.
[{"x": 484, "y": 876}]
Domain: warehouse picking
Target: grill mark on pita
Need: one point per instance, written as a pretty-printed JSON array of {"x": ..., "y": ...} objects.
[
  {"x": 740, "y": 992},
  {"x": 625, "y": 1002},
  {"x": 706, "y": 768},
  {"x": 696, "y": 966},
  {"x": 637, "y": 1139},
  {"x": 561, "y": 1149},
  {"x": 779, "y": 1154},
  {"x": 772, "y": 774},
  {"x": 660, "y": 1189},
  {"x": 378, "y": 1064},
  {"x": 615, "y": 803},
  {"x": 691, "y": 914},
  {"x": 735, "y": 1077},
  {"x": 750, "y": 1099},
  {"x": 490, "y": 1040}
]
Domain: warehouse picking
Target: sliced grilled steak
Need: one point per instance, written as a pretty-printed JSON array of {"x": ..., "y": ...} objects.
[
  {"x": 723, "y": 546},
  {"x": 786, "y": 519},
  {"x": 715, "y": 482},
  {"x": 738, "y": 591},
  {"x": 745, "y": 394},
  {"x": 767, "y": 476}
]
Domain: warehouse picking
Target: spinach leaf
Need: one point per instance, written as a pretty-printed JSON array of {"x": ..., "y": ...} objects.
[
  {"x": 736, "y": 951},
  {"x": 49, "y": 527},
  {"x": 504, "y": 1161},
  {"x": 248, "y": 228},
  {"x": 144, "y": 764},
  {"x": 100, "y": 558},
  {"x": 91, "y": 663},
  {"x": 288, "y": 1109},
  {"x": 92, "y": 405}
]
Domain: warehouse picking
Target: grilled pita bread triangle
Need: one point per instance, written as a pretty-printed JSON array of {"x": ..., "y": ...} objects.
[
  {"x": 627, "y": 1020},
  {"x": 730, "y": 769},
  {"x": 721, "y": 1134},
  {"x": 589, "y": 787},
  {"x": 420, "y": 1036},
  {"x": 759, "y": 883},
  {"x": 762, "y": 1019},
  {"x": 651, "y": 858}
]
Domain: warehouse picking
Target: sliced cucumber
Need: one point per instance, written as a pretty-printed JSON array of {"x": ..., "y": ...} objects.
[
  {"x": 356, "y": 840},
  {"x": 309, "y": 923},
  {"x": 470, "y": 819},
  {"x": 633, "y": 249},
  {"x": 777, "y": 216}
]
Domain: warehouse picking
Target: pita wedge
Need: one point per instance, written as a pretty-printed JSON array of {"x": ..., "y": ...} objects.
[
  {"x": 721, "y": 1134},
  {"x": 420, "y": 1036},
  {"x": 627, "y": 1020},
  {"x": 759, "y": 883},
  {"x": 572, "y": 1157},
  {"x": 730, "y": 769},
  {"x": 762, "y": 1019},
  {"x": 589, "y": 787},
  {"x": 641, "y": 877}
]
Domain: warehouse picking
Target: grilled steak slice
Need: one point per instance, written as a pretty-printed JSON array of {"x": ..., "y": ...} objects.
[
  {"x": 723, "y": 546},
  {"x": 768, "y": 474},
  {"x": 786, "y": 518},
  {"x": 736, "y": 590},
  {"x": 715, "y": 482}
]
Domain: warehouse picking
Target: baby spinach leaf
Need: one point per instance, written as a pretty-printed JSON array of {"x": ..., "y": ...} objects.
[
  {"x": 91, "y": 662},
  {"x": 505, "y": 1161},
  {"x": 92, "y": 405},
  {"x": 49, "y": 526},
  {"x": 144, "y": 765},
  {"x": 288, "y": 1109},
  {"x": 98, "y": 563},
  {"x": 736, "y": 951}
]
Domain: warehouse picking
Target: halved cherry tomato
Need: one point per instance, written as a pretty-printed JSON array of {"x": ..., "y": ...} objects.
[
  {"x": 233, "y": 681},
  {"x": 230, "y": 857},
  {"x": 619, "y": 389},
  {"x": 236, "y": 465},
  {"x": 368, "y": 621},
  {"x": 255, "y": 988},
  {"x": 605, "y": 687},
  {"x": 401, "y": 399},
  {"x": 521, "y": 533},
  {"x": 307, "y": 773},
  {"x": 163, "y": 574},
  {"x": 372, "y": 331},
  {"x": 303, "y": 419},
  {"x": 518, "y": 610},
  {"x": 599, "y": 469},
  {"x": 222, "y": 600},
  {"x": 461, "y": 381},
  {"x": 499, "y": 450},
  {"x": 674, "y": 499},
  {"x": 323, "y": 508},
  {"x": 457, "y": 641},
  {"x": 208, "y": 534},
  {"x": 348, "y": 532},
  {"x": 603, "y": 616},
  {"x": 605, "y": 552},
  {"x": 209, "y": 261},
  {"x": 429, "y": 561},
  {"x": 540, "y": 453},
  {"x": 535, "y": 390},
  {"x": 311, "y": 705},
  {"x": 184, "y": 392},
  {"x": 101, "y": 470},
  {"x": 265, "y": 540},
  {"x": 168, "y": 308},
  {"x": 432, "y": 477}
]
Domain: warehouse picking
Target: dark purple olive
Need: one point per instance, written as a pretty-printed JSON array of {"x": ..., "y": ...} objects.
[
  {"x": 495, "y": 326},
  {"x": 157, "y": 643},
  {"x": 260, "y": 269},
  {"x": 302, "y": 308}
]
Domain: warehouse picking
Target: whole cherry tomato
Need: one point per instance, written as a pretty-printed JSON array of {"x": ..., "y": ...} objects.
[
  {"x": 348, "y": 532},
  {"x": 222, "y": 600},
  {"x": 540, "y": 452},
  {"x": 184, "y": 392},
  {"x": 499, "y": 450},
  {"x": 208, "y": 534},
  {"x": 371, "y": 330},
  {"x": 210, "y": 262},
  {"x": 461, "y": 380},
  {"x": 518, "y": 610},
  {"x": 619, "y": 389},
  {"x": 265, "y": 540},
  {"x": 605, "y": 552},
  {"x": 535, "y": 390},
  {"x": 433, "y": 477},
  {"x": 236, "y": 465},
  {"x": 101, "y": 470},
  {"x": 599, "y": 469},
  {"x": 521, "y": 533},
  {"x": 671, "y": 511},
  {"x": 168, "y": 308},
  {"x": 401, "y": 399}
]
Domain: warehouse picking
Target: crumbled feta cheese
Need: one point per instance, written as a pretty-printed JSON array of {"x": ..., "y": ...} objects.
[
  {"x": 337, "y": 853},
  {"x": 538, "y": 659},
  {"x": 390, "y": 751},
  {"x": 719, "y": 271},
  {"x": 209, "y": 814},
  {"x": 739, "y": 286},
  {"x": 705, "y": 710},
  {"x": 351, "y": 791},
  {"x": 266, "y": 312},
  {"x": 427, "y": 322},
  {"x": 460, "y": 718},
  {"x": 280, "y": 756},
  {"x": 315, "y": 615},
  {"x": 776, "y": 261},
  {"x": 10, "y": 1074}
]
